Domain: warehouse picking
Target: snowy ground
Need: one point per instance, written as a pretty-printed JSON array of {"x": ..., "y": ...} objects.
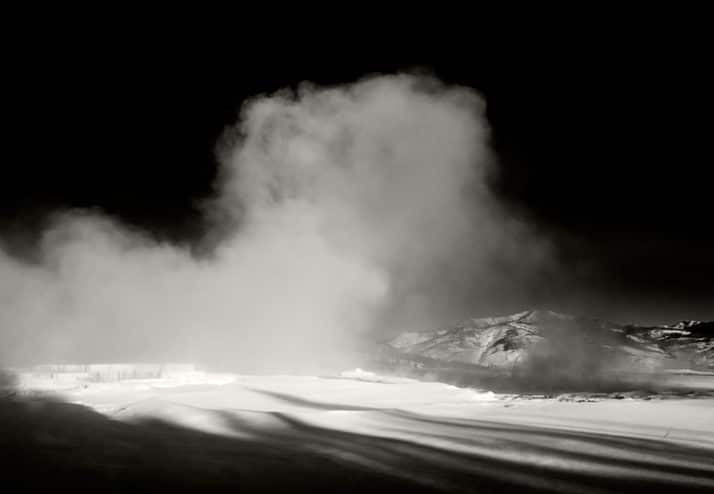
[{"x": 431, "y": 435}]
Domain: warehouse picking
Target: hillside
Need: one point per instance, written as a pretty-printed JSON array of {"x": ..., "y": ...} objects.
[{"x": 539, "y": 345}]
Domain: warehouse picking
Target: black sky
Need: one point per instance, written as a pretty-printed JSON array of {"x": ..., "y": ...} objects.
[{"x": 602, "y": 126}]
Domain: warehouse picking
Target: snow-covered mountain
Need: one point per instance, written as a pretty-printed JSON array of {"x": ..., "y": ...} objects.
[{"x": 543, "y": 340}]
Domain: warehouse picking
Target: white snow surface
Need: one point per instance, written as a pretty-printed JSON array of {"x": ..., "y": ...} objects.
[
  {"x": 363, "y": 402},
  {"x": 429, "y": 433},
  {"x": 355, "y": 414}
]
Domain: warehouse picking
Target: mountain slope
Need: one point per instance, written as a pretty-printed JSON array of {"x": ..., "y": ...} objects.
[{"x": 534, "y": 338}]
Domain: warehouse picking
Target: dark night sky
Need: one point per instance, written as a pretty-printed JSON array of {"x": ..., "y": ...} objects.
[{"x": 602, "y": 129}]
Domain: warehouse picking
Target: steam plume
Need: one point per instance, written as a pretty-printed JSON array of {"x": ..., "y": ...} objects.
[{"x": 353, "y": 210}]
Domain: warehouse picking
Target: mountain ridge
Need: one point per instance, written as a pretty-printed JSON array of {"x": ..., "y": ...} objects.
[{"x": 523, "y": 339}]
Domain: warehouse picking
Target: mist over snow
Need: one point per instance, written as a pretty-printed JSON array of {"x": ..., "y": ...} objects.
[{"x": 344, "y": 214}]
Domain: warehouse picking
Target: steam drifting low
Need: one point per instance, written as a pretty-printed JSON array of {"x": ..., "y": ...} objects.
[{"x": 343, "y": 213}]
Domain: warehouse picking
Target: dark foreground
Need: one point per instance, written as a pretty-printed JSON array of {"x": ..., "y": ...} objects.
[{"x": 48, "y": 445}]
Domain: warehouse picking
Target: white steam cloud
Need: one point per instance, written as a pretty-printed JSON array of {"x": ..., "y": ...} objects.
[{"x": 356, "y": 210}]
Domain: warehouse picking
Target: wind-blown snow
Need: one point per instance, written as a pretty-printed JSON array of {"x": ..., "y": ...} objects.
[
  {"x": 430, "y": 433},
  {"x": 332, "y": 401}
]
